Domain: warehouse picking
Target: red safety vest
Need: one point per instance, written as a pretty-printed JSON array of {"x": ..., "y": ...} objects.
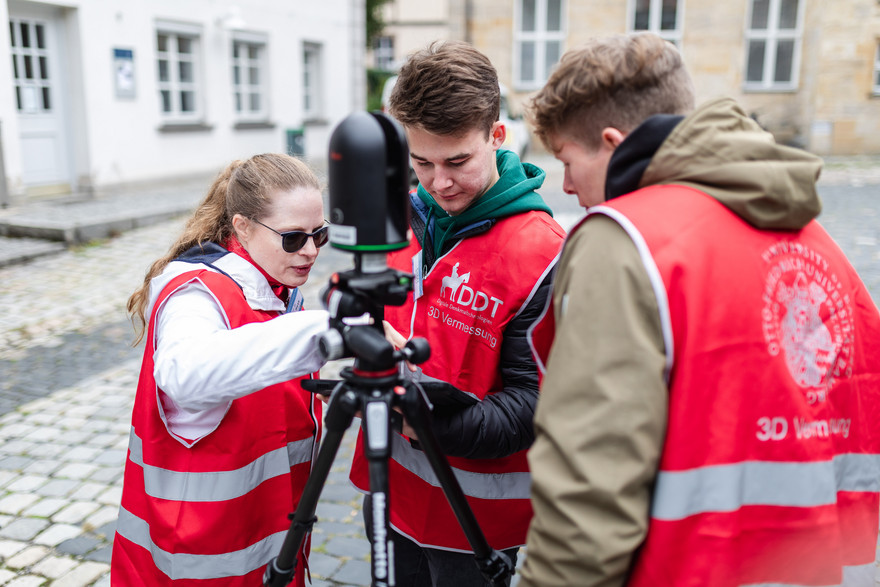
[
  {"x": 470, "y": 294},
  {"x": 771, "y": 467},
  {"x": 214, "y": 512}
]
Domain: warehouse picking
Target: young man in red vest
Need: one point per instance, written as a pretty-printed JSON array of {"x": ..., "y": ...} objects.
[
  {"x": 709, "y": 411},
  {"x": 482, "y": 248}
]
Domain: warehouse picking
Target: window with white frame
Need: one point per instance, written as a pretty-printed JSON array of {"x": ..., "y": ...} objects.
[
  {"x": 30, "y": 66},
  {"x": 249, "y": 83},
  {"x": 312, "y": 80},
  {"x": 773, "y": 45},
  {"x": 662, "y": 17},
  {"x": 383, "y": 53},
  {"x": 179, "y": 71},
  {"x": 539, "y": 37},
  {"x": 876, "y": 88}
]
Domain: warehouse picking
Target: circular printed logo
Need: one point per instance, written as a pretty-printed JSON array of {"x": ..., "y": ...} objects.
[{"x": 806, "y": 316}]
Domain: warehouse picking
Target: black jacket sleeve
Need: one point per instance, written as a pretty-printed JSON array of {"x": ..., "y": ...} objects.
[{"x": 501, "y": 424}]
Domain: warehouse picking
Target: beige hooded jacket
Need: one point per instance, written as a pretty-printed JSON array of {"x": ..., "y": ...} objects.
[{"x": 602, "y": 412}]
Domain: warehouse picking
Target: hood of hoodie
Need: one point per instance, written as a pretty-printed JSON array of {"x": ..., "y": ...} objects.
[{"x": 719, "y": 150}]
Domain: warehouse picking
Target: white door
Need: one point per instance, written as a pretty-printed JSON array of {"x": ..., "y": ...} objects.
[{"x": 36, "y": 39}]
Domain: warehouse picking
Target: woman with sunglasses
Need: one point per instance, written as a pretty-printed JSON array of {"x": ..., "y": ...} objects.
[{"x": 222, "y": 433}]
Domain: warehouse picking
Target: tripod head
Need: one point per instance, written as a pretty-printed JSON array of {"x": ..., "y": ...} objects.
[
  {"x": 352, "y": 294},
  {"x": 369, "y": 213}
]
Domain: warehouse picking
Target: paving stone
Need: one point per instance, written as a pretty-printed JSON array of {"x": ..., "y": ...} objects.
[
  {"x": 45, "y": 507},
  {"x": 347, "y": 546},
  {"x": 7, "y": 477},
  {"x": 340, "y": 493},
  {"x": 88, "y": 491},
  {"x": 5, "y": 576},
  {"x": 43, "y": 435},
  {"x": 82, "y": 454},
  {"x": 113, "y": 457},
  {"x": 54, "y": 566},
  {"x": 354, "y": 573},
  {"x": 79, "y": 545},
  {"x": 14, "y": 463},
  {"x": 104, "y": 441},
  {"x": 27, "y": 581},
  {"x": 333, "y": 511},
  {"x": 107, "y": 529},
  {"x": 58, "y": 487},
  {"x": 82, "y": 575},
  {"x": 56, "y": 534},
  {"x": 111, "y": 496},
  {"x": 351, "y": 528},
  {"x": 27, "y": 483},
  {"x": 24, "y": 528},
  {"x": 48, "y": 450},
  {"x": 323, "y": 565},
  {"x": 42, "y": 467},
  {"x": 10, "y": 548},
  {"x": 27, "y": 557},
  {"x": 103, "y": 521},
  {"x": 75, "y": 512},
  {"x": 76, "y": 436},
  {"x": 14, "y": 503},
  {"x": 76, "y": 471},
  {"x": 101, "y": 555},
  {"x": 107, "y": 475}
]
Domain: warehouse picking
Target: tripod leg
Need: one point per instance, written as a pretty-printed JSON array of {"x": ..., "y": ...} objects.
[
  {"x": 377, "y": 448},
  {"x": 340, "y": 412},
  {"x": 494, "y": 565}
]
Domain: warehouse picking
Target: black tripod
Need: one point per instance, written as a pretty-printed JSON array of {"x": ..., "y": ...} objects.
[{"x": 373, "y": 387}]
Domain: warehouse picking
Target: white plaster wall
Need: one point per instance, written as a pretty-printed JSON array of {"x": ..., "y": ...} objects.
[{"x": 117, "y": 140}]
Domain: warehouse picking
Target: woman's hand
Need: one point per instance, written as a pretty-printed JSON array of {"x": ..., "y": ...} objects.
[{"x": 397, "y": 340}]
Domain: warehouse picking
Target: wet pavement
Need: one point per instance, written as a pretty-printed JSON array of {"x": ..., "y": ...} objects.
[{"x": 68, "y": 375}]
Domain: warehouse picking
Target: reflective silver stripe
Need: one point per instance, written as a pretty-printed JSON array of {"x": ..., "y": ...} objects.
[
  {"x": 199, "y": 566},
  {"x": 653, "y": 275},
  {"x": 480, "y": 485},
  {"x": 857, "y": 576},
  {"x": 217, "y": 485},
  {"x": 857, "y": 472},
  {"x": 726, "y": 488}
]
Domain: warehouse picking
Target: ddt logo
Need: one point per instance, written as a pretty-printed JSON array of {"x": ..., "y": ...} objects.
[{"x": 465, "y": 296}]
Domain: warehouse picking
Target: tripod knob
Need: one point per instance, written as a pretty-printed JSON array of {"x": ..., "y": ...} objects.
[
  {"x": 331, "y": 345},
  {"x": 417, "y": 350}
]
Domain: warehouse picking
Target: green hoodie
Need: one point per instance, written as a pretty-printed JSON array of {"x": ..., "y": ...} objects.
[{"x": 513, "y": 193}]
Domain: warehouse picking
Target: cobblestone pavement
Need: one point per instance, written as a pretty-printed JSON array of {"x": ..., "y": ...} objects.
[{"x": 68, "y": 375}]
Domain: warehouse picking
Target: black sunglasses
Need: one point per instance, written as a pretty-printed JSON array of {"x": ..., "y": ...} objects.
[{"x": 294, "y": 240}]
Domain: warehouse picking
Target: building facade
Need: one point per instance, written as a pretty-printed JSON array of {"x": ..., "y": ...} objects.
[
  {"x": 807, "y": 70},
  {"x": 99, "y": 93}
]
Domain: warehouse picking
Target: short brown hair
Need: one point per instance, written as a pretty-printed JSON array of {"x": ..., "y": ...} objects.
[
  {"x": 447, "y": 88},
  {"x": 617, "y": 82}
]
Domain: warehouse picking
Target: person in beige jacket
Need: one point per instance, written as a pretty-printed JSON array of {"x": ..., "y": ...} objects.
[{"x": 619, "y": 113}]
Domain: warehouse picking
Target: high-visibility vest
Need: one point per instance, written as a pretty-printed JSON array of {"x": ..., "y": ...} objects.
[
  {"x": 770, "y": 471},
  {"x": 214, "y": 512},
  {"x": 470, "y": 295}
]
